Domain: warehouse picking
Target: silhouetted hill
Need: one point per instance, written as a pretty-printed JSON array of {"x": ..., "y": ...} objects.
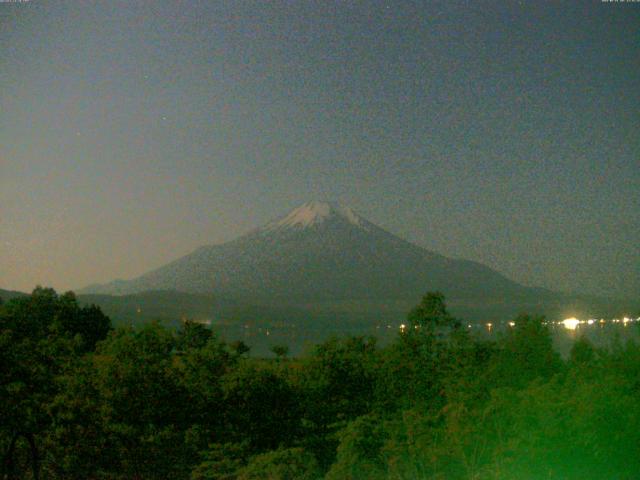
[{"x": 9, "y": 294}]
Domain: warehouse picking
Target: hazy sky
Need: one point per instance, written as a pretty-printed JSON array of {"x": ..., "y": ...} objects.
[{"x": 504, "y": 132}]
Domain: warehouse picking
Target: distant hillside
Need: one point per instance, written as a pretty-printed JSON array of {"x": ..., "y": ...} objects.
[
  {"x": 9, "y": 294},
  {"x": 172, "y": 307},
  {"x": 166, "y": 306}
]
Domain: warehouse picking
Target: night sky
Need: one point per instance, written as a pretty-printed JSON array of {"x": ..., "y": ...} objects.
[{"x": 503, "y": 132}]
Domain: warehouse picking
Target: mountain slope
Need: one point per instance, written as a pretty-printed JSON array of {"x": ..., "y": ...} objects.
[
  {"x": 322, "y": 252},
  {"x": 6, "y": 295}
]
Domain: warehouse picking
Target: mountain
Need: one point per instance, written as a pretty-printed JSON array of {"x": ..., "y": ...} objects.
[
  {"x": 6, "y": 295},
  {"x": 324, "y": 252}
]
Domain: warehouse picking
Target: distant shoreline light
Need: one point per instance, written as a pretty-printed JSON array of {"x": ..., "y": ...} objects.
[
  {"x": 573, "y": 323},
  {"x": 570, "y": 323}
]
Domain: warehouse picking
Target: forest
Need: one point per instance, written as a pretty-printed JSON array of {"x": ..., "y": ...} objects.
[{"x": 80, "y": 399}]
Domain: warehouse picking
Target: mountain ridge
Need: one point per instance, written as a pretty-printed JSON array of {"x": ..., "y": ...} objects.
[{"x": 322, "y": 251}]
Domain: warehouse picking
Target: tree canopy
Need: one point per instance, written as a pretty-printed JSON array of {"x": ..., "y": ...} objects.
[{"x": 79, "y": 400}]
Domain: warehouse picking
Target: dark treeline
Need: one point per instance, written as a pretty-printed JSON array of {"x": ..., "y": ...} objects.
[{"x": 81, "y": 400}]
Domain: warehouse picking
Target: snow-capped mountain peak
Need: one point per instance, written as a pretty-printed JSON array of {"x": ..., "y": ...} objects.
[
  {"x": 320, "y": 251},
  {"x": 315, "y": 212}
]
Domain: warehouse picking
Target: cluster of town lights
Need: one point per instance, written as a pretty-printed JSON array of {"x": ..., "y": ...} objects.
[
  {"x": 573, "y": 323},
  {"x": 568, "y": 323}
]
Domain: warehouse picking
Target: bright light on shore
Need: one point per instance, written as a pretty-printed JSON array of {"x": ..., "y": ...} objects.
[{"x": 570, "y": 323}]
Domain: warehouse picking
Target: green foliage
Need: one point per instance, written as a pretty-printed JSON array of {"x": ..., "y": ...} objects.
[
  {"x": 240, "y": 347},
  {"x": 41, "y": 337},
  {"x": 192, "y": 335},
  {"x": 46, "y": 313},
  {"x": 200, "y": 373},
  {"x": 337, "y": 383},
  {"x": 221, "y": 462},
  {"x": 341, "y": 374},
  {"x": 526, "y": 353},
  {"x": 430, "y": 313},
  {"x": 582, "y": 352},
  {"x": 152, "y": 403},
  {"x": 360, "y": 452},
  {"x": 261, "y": 407},
  {"x": 133, "y": 369},
  {"x": 281, "y": 464},
  {"x": 280, "y": 351}
]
